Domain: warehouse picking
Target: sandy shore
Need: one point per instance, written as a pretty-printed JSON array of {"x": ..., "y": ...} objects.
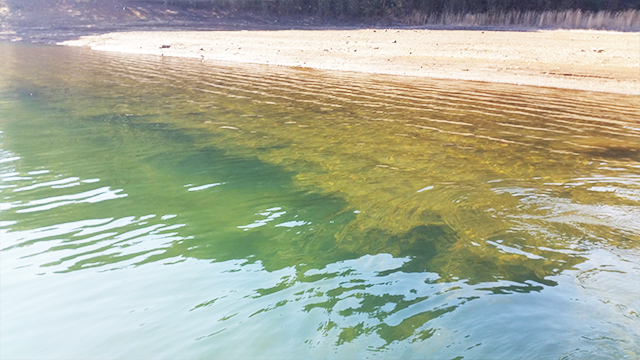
[{"x": 571, "y": 59}]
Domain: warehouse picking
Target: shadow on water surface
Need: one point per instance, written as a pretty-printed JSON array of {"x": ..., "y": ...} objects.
[{"x": 386, "y": 206}]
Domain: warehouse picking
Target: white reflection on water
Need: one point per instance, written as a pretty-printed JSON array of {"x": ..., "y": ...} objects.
[
  {"x": 334, "y": 312},
  {"x": 90, "y": 196}
]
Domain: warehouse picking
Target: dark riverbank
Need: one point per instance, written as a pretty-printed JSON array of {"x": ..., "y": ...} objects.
[{"x": 51, "y": 21}]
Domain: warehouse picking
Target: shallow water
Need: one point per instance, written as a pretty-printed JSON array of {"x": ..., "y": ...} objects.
[{"x": 168, "y": 208}]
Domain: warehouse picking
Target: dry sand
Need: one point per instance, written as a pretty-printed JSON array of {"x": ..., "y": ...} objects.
[{"x": 584, "y": 60}]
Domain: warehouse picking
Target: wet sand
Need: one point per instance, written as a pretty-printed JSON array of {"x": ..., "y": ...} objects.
[{"x": 571, "y": 59}]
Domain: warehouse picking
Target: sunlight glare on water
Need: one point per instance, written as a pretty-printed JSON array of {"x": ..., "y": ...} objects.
[{"x": 168, "y": 208}]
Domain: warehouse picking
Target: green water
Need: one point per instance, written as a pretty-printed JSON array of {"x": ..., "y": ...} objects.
[{"x": 168, "y": 208}]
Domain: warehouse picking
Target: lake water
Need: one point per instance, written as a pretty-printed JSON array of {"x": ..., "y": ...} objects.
[{"x": 168, "y": 208}]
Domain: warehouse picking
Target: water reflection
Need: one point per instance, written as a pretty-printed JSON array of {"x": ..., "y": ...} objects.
[{"x": 340, "y": 214}]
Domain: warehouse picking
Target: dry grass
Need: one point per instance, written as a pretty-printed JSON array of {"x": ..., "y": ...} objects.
[
  {"x": 569, "y": 19},
  {"x": 350, "y": 10}
]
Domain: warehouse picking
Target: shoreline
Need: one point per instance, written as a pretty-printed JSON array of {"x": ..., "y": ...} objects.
[{"x": 591, "y": 60}]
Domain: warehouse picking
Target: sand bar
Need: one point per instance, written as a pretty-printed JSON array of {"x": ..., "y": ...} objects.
[{"x": 584, "y": 60}]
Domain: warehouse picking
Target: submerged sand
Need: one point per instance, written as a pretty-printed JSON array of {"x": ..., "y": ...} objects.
[{"x": 584, "y": 60}]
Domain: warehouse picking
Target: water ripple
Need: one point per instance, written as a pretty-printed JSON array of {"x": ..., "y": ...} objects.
[{"x": 187, "y": 205}]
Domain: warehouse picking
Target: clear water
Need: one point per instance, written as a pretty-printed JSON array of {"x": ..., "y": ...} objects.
[{"x": 167, "y": 208}]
